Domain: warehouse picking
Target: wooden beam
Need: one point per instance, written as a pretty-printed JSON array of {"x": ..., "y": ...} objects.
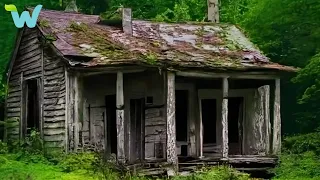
[
  {"x": 200, "y": 132},
  {"x": 23, "y": 92},
  {"x": 231, "y": 75},
  {"x": 120, "y": 119},
  {"x": 172, "y": 157},
  {"x": 276, "y": 119},
  {"x": 213, "y": 10},
  {"x": 192, "y": 121},
  {"x": 77, "y": 110},
  {"x": 225, "y": 140},
  {"x": 67, "y": 113},
  {"x": 267, "y": 118}
]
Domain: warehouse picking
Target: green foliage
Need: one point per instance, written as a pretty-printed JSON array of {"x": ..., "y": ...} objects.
[
  {"x": 302, "y": 143},
  {"x": 11, "y": 168},
  {"x": 298, "y": 166},
  {"x": 77, "y": 161},
  {"x": 3, "y": 148},
  {"x": 216, "y": 173},
  {"x": 151, "y": 58}
]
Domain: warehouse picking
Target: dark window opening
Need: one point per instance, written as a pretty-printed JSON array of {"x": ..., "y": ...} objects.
[
  {"x": 111, "y": 124},
  {"x": 32, "y": 108},
  {"x": 181, "y": 115},
  {"x": 209, "y": 118},
  {"x": 235, "y": 111},
  {"x": 149, "y": 100}
]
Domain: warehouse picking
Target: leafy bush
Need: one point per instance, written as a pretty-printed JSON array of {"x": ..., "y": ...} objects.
[
  {"x": 298, "y": 166},
  {"x": 77, "y": 161},
  {"x": 3, "y": 147},
  {"x": 216, "y": 173},
  {"x": 302, "y": 143}
]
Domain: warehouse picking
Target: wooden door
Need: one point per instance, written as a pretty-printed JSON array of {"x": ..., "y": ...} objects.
[{"x": 137, "y": 130}]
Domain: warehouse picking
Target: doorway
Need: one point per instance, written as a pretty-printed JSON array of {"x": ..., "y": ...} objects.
[
  {"x": 111, "y": 123},
  {"x": 137, "y": 123},
  {"x": 209, "y": 120},
  {"x": 235, "y": 116},
  {"x": 31, "y": 106},
  {"x": 182, "y": 121}
]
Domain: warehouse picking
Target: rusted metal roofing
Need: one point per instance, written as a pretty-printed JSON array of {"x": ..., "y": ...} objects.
[{"x": 190, "y": 45}]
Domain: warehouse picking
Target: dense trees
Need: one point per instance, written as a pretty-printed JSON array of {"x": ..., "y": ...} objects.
[{"x": 288, "y": 31}]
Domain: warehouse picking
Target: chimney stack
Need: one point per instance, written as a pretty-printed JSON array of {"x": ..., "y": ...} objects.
[
  {"x": 127, "y": 21},
  {"x": 213, "y": 10}
]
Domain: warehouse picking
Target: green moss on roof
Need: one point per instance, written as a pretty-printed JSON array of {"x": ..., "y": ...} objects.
[
  {"x": 50, "y": 37},
  {"x": 74, "y": 26},
  {"x": 97, "y": 42},
  {"x": 44, "y": 23}
]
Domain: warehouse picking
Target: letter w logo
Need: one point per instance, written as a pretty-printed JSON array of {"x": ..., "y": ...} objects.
[{"x": 25, "y": 16}]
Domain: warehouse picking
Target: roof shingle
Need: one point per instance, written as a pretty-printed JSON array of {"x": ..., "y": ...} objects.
[{"x": 190, "y": 45}]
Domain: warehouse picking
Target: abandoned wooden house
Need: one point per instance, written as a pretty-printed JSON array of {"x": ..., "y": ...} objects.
[{"x": 146, "y": 91}]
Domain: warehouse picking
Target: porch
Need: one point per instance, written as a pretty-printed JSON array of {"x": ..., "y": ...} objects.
[{"x": 146, "y": 116}]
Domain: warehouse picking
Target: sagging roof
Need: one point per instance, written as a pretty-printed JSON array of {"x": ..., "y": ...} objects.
[{"x": 87, "y": 43}]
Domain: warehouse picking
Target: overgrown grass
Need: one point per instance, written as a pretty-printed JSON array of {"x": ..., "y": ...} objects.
[
  {"x": 28, "y": 161},
  {"x": 10, "y": 168},
  {"x": 80, "y": 166},
  {"x": 300, "y": 158}
]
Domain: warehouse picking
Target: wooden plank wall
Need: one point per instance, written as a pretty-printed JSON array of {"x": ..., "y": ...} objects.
[
  {"x": 33, "y": 61},
  {"x": 155, "y": 133},
  {"x": 257, "y": 122},
  {"x": 28, "y": 63},
  {"x": 54, "y": 100}
]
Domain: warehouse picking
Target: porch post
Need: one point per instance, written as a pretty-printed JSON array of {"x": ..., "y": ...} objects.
[
  {"x": 171, "y": 120},
  {"x": 120, "y": 118},
  {"x": 276, "y": 119},
  {"x": 225, "y": 141}
]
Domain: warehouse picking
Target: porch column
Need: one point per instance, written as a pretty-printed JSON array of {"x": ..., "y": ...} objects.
[
  {"x": 224, "y": 118},
  {"x": 276, "y": 119},
  {"x": 171, "y": 120},
  {"x": 120, "y": 118}
]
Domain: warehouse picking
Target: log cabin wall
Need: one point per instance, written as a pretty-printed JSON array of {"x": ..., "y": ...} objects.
[{"x": 27, "y": 64}]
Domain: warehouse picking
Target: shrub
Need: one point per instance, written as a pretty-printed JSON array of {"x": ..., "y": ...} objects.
[
  {"x": 3, "y": 147},
  {"x": 216, "y": 173},
  {"x": 302, "y": 143},
  {"x": 77, "y": 161},
  {"x": 298, "y": 166}
]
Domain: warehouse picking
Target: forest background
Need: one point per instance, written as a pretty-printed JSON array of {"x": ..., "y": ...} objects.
[{"x": 287, "y": 31}]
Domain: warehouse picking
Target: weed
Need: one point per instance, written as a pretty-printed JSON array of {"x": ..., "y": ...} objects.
[
  {"x": 44, "y": 23},
  {"x": 78, "y": 26},
  {"x": 151, "y": 58}
]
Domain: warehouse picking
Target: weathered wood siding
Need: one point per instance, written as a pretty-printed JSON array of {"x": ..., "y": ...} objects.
[
  {"x": 26, "y": 65},
  {"x": 155, "y": 133},
  {"x": 136, "y": 85},
  {"x": 95, "y": 88},
  {"x": 34, "y": 61},
  {"x": 54, "y": 100},
  {"x": 257, "y": 122}
]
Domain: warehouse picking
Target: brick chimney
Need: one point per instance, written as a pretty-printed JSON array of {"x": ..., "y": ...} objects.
[
  {"x": 127, "y": 21},
  {"x": 213, "y": 10}
]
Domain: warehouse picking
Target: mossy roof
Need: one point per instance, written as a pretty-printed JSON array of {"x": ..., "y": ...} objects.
[{"x": 171, "y": 45}]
